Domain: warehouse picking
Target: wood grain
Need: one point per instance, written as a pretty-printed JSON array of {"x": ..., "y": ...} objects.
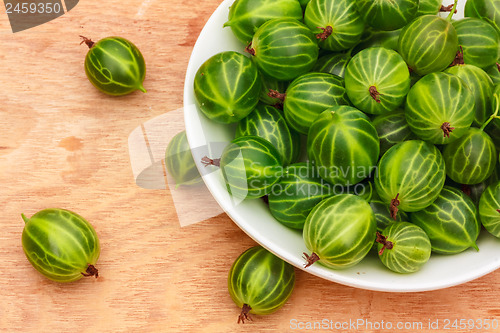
[{"x": 64, "y": 144}]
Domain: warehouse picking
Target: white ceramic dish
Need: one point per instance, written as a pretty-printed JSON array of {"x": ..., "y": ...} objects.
[{"x": 254, "y": 218}]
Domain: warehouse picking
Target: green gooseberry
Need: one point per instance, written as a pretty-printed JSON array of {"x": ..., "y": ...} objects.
[{"x": 115, "y": 66}]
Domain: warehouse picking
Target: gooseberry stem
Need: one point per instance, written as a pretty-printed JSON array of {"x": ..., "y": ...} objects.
[
  {"x": 447, "y": 129},
  {"x": 386, "y": 244},
  {"x": 394, "y": 207},
  {"x": 25, "y": 219},
  {"x": 249, "y": 49},
  {"x": 278, "y": 106},
  {"x": 244, "y": 313},
  {"x": 325, "y": 34},
  {"x": 87, "y": 41},
  {"x": 310, "y": 259},
  {"x": 494, "y": 115},
  {"x": 459, "y": 58},
  {"x": 91, "y": 271},
  {"x": 276, "y": 94},
  {"x": 447, "y": 8},
  {"x": 452, "y": 12},
  {"x": 265, "y": 198},
  {"x": 374, "y": 93},
  {"x": 208, "y": 161},
  {"x": 466, "y": 189}
]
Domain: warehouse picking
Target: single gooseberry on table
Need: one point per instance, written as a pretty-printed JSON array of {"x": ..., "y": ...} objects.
[
  {"x": 61, "y": 245},
  {"x": 259, "y": 282},
  {"x": 180, "y": 163},
  {"x": 114, "y": 65}
]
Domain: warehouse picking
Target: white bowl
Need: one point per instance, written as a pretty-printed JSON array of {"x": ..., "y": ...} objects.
[{"x": 253, "y": 216}]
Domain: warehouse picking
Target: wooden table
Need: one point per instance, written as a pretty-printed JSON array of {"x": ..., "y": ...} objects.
[{"x": 64, "y": 144}]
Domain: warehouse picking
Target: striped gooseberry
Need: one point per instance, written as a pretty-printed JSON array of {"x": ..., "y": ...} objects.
[
  {"x": 61, "y": 245},
  {"x": 259, "y": 282},
  {"x": 429, "y": 43},
  {"x": 284, "y": 49},
  {"x": 115, "y": 66},
  {"x": 403, "y": 247}
]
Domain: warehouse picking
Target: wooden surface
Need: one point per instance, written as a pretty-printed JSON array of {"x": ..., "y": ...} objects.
[{"x": 64, "y": 144}]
